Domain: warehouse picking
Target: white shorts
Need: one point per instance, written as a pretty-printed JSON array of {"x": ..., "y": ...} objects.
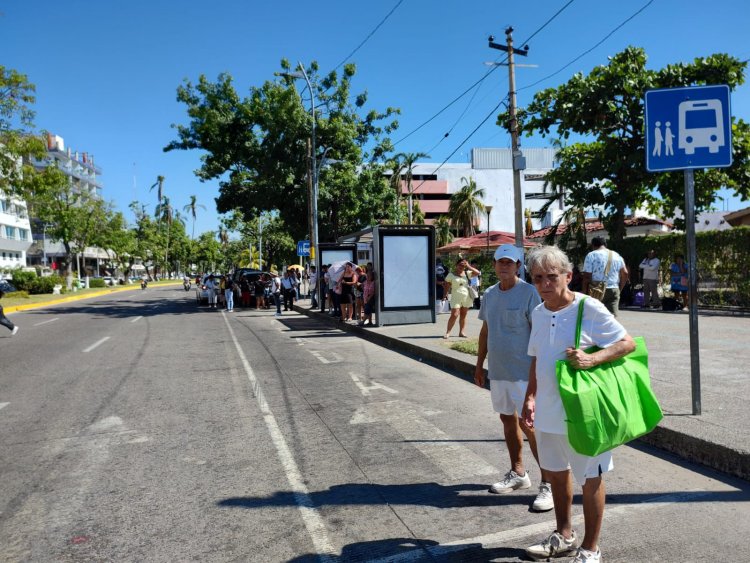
[
  {"x": 555, "y": 454},
  {"x": 507, "y": 396}
]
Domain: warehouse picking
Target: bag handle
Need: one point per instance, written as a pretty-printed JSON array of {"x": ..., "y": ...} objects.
[{"x": 578, "y": 323}]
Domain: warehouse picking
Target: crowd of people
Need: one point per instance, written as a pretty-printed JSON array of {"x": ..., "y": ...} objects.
[{"x": 349, "y": 294}]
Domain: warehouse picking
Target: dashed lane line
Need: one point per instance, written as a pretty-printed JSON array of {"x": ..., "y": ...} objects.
[
  {"x": 47, "y": 322},
  {"x": 3, "y": 405},
  {"x": 137, "y": 318},
  {"x": 96, "y": 344}
]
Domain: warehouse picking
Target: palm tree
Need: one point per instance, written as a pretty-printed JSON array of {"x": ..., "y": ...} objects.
[
  {"x": 160, "y": 191},
  {"x": 407, "y": 161},
  {"x": 443, "y": 234},
  {"x": 191, "y": 209},
  {"x": 466, "y": 207},
  {"x": 165, "y": 212},
  {"x": 397, "y": 168}
]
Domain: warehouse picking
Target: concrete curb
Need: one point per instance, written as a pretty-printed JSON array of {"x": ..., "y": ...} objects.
[
  {"x": 691, "y": 448},
  {"x": 68, "y": 299}
]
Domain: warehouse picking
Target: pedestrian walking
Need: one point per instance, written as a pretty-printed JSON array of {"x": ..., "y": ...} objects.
[
  {"x": 313, "y": 281},
  {"x": 505, "y": 313},
  {"x": 210, "y": 284},
  {"x": 604, "y": 275},
  {"x": 552, "y": 339},
  {"x": 276, "y": 292},
  {"x": 5, "y": 321}
]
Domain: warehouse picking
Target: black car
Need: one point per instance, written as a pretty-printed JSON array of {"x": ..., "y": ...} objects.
[{"x": 6, "y": 286}]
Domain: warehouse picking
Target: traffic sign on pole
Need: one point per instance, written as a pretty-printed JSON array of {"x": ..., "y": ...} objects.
[
  {"x": 688, "y": 128},
  {"x": 303, "y": 248}
]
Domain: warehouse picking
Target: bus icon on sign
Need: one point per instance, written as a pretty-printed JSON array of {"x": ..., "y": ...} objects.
[{"x": 701, "y": 125}]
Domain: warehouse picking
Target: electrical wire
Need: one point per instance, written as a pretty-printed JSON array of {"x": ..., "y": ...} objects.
[
  {"x": 590, "y": 49},
  {"x": 470, "y": 88},
  {"x": 366, "y": 39}
]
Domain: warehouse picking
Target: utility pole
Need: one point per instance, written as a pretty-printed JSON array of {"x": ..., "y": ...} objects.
[{"x": 519, "y": 162}]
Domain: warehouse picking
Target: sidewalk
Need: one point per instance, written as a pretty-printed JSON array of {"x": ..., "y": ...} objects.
[{"x": 719, "y": 438}]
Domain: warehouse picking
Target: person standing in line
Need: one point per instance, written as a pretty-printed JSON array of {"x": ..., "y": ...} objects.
[
  {"x": 229, "y": 292},
  {"x": 457, "y": 284},
  {"x": 476, "y": 282},
  {"x": 5, "y": 321},
  {"x": 313, "y": 281},
  {"x": 369, "y": 297},
  {"x": 606, "y": 266},
  {"x": 650, "y": 270},
  {"x": 276, "y": 292},
  {"x": 347, "y": 282},
  {"x": 678, "y": 271},
  {"x": 287, "y": 289},
  {"x": 211, "y": 291},
  {"x": 506, "y": 314},
  {"x": 553, "y": 335}
]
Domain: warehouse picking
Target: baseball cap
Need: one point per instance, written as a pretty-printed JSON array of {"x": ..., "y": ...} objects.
[{"x": 509, "y": 251}]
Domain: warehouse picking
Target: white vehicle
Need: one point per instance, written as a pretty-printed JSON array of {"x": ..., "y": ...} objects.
[{"x": 701, "y": 125}]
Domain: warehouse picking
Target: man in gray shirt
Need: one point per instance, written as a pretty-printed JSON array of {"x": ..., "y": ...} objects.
[{"x": 506, "y": 311}]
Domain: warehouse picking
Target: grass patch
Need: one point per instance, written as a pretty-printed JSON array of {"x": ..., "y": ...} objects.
[{"x": 470, "y": 346}]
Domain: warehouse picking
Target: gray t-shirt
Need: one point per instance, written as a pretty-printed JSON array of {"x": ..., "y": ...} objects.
[{"x": 508, "y": 318}]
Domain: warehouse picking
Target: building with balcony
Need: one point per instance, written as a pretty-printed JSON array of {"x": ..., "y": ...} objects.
[{"x": 15, "y": 232}]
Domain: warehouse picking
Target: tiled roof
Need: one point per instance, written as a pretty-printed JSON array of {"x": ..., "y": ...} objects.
[
  {"x": 479, "y": 242},
  {"x": 593, "y": 225}
]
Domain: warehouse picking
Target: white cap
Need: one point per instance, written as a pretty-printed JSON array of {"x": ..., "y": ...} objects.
[{"x": 509, "y": 251}]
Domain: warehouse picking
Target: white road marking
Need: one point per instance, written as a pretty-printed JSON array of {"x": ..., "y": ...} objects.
[
  {"x": 371, "y": 387},
  {"x": 334, "y": 357},
  {"x": 137, "y": 318},
  {"x": 49, "y": 321},
  {"x": 540, "y": 529},
  {"x": 3, "y": 405},
  {"x": 453, "y": 459},
  {"x": 95, "y": 344},
  {"x": 309, "y": 513}
]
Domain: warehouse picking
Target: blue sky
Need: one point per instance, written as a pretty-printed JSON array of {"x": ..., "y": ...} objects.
[{"x": 106, "y": 72}]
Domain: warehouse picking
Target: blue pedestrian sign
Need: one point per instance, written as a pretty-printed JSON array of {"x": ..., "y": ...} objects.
[
  {"x": 688, "y": 128},
  {"x": 303, "y": 248}
]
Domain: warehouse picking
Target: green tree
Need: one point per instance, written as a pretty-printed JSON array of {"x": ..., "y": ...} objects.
[
  {"x": 443, "y": 234},
  {"x": 192, "y": 208},
  {"x": 607, "y": 171},
  {"x": 406, "y": 162},
  {"x": 466, "y": 207},
  {"x": 17, "y": 141},
  {"x": 257, "y": 148}
]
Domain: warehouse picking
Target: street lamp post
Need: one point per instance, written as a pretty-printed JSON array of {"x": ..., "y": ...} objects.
[
  {"x": 488, "y": 208},
  {"x": 314, "y": 198}
]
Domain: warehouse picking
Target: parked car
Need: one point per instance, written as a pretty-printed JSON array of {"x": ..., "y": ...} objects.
[
  {"x": 6, "y": 286},
  {"x": 252, "y": 276}
]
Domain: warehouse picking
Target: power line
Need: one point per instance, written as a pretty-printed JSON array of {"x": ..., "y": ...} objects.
[
  {"x": 366, "y": 39},
  {"x": 493, "y": 69},
  {"x": 590, "y": 49}
]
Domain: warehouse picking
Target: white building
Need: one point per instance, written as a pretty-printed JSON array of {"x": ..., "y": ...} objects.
[
  {"x": 15, "y": 232},
  {"x": 492, "y": 171}
]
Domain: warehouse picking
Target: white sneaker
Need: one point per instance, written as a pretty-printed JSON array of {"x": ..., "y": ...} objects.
[
  {"x": 277, "y": 314},
  {"x": 14, "y": 331},
  {"x": 586, "y": 556},
  {"x": 543, "y": 501},
  {"x": 511, "y": 482},
  {"x": 555, "y": 545}
]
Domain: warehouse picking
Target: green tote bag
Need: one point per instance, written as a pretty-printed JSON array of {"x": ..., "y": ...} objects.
[{"x": 610, "y": 404}]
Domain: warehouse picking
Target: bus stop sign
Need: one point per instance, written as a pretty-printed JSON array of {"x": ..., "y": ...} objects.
[{"x": 688, "y": 128}]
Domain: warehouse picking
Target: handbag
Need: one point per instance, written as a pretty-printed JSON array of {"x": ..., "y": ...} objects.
[
  {"x": 597, "y": 289},
  {"x": 610, "y": 404},
  {"x": 442, "y": 306}
]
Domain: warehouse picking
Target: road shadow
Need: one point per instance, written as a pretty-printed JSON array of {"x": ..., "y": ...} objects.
[{"x": 414, "y": 550}]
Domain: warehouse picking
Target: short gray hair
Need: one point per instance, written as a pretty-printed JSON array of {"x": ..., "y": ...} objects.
[{"x": 545, "y": 257}]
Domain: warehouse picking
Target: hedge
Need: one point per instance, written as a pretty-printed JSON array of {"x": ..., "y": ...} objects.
[{"x": 723, "y": 262}]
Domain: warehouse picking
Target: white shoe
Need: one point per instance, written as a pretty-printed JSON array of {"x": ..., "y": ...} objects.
[
  {"x": 511, "y": 482},
  {"x": 555, "y": 545},
  {"x": 543, "y": 501},
  {"x": 277, "y": 314},
  {"x": 14, "y": 331},
  {"x": 586, "y": 556}
]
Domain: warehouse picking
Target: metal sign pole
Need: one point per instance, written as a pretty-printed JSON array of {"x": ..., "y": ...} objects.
[{"x": 695, "y": 366}]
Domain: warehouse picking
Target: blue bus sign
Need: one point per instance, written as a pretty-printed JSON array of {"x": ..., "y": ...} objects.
[
  {"x": 303, "y": 248},
  {"x": 688, "y": 128}
]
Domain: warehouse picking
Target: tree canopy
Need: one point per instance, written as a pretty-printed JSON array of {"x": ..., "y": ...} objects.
[
  {"x": 606, "y": 169},
  {"x": 257, "y": 149}
]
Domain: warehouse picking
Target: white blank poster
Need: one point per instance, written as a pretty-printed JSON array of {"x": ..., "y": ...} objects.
[{"x": 406, "y": 271}]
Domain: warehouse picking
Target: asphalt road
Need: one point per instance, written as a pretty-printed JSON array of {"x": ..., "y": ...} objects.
[{"x": 139, "y": 427}]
